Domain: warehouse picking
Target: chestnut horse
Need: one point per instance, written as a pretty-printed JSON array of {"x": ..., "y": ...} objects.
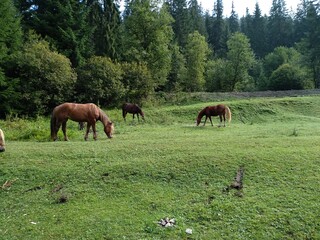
[
  {"x": 88, "y": 112},
  {"x": 218, "y": 110},
  {"x": 2, "y": 142},
  {"x": 131, "y": 108}
]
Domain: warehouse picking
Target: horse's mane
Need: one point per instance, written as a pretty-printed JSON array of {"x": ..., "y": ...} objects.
[
  {"x": 103, "y": 116},
  {"x": 202, "y": 112}
]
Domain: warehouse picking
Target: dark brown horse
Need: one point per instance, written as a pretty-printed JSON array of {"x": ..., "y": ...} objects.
[
  {"x": 2, "y": 142},
  {"x": 218, "y": 110},
  {"x": 88, "y": 112},
  {"x": 131, "y": 108}
]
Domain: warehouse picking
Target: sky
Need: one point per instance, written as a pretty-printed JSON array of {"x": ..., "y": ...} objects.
[{"x": 241, "y": 5}]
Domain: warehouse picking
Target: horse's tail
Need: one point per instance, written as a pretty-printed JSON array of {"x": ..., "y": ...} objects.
[{"x": 228, "y": 113}]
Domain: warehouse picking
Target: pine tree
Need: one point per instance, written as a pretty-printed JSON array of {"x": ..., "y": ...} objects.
[
  {"x": 196, "y": 20},
  {"x": 179, "y": 11},
  {"x": 246, "y": 24},
  {"x": 10, "y": 29},
  {"x": 63, "y": 23},
  {"x": 310, "y": 44},
  {"x": 280, "y": 27},
  {"x": 104, "y": 18},
  {"x": 233, "y": 21},
  {"x": 300, "y": 20},
  {"x": 259, "y": 37},
  {"x": 10, "y": 42},
  {"x": 217, "y": 31}
]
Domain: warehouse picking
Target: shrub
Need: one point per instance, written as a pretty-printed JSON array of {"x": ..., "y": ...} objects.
[
  {"x": 286, "y": 77},
  {"x": 99, "y": 81},
  {"x": 137, "y": 81},
  {"x": 44, "y": 78}
]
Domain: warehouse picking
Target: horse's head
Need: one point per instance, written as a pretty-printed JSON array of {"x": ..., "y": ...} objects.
[
  {"x": 108, "y": 129},
  {"x": 2, "y": 143},
  {"x": 198, "y": 121},
  {"x": 142, "y": 114}
]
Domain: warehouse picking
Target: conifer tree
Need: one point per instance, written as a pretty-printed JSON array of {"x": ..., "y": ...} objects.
[
  {"x": 280, "y": 29},
  {"x": 63, "y": 23},
  {"x": 196, "y": 20},
  {"x": 217, "y": 29},
  {"x": 179, "y": 11},
  {"x": 104, "y": 18},
  {"x": 300, "y": 20},
  {"x": 10, "y": 42},
  {"x": 233, "y": 21},
  {"x": 259, "y": 37}
]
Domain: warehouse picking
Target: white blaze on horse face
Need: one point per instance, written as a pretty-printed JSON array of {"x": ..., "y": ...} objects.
[{"x": 109, "y": 128}]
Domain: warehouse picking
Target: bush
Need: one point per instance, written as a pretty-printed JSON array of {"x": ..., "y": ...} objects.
[
  {"x": 286, "y": 77},
  {"x": 137, "y": 81},
  {"x": 99, "y": 82},
  {"x": 44, "y": 78}
]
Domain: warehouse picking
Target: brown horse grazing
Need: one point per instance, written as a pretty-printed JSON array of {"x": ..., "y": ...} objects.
[
  {"x": 131, "y": 108},
  {"x": 2, "y": 142},
  {"x": 88, "y": 112},
  {"x": 218, "y": 110}
]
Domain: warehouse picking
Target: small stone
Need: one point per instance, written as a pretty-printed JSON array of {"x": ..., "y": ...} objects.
[
  {"x": 189, "y": 231},
  {"x": 173, "y": 221},
  {"x": 168, "y": 225}
]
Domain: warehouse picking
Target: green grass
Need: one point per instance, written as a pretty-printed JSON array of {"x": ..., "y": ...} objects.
[{"x": 167, "y": 167}]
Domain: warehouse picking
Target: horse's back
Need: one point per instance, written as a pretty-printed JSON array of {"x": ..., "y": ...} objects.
[
  {"x": 130, "y": 108},
  {"x": 215, "y": 110},
  {"x": 76, "y": 111}
]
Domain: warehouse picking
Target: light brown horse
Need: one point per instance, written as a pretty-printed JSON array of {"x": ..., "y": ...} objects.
[
  {"x": 2, "y": 142},
  {"x": 88, "y": 112},
  {"x": 218, "y": 110}
]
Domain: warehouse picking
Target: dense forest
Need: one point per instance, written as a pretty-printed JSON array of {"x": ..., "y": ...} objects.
[{"x": 89, "y": 51}]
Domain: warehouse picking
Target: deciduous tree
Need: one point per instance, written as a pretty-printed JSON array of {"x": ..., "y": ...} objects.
[
  {"x": 197, "y": 51},
  {"x": 240, "y": 59},
  {"x": 147, "y": 36}
]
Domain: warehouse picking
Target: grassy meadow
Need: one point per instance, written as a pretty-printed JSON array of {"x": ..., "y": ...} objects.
[{"x": 167, "y": 167}]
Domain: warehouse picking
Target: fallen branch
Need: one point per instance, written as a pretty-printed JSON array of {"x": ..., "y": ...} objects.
[{"x": 237, "y": 184}]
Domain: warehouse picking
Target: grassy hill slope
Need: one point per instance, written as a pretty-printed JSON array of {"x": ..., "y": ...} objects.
[{"x": 167, "y": 167}]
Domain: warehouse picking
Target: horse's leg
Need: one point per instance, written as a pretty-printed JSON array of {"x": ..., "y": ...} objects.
[
  {"x": 124, "y": 114},
  {"x": 64, "y": 130},
  {"x": 220, "y": 116},
  {"x": 94, "y": 131},
  {"x": 87, "y": 131},
  {"x": 138, "y": 117},
  {"x": 205, "y": 121},
  {"x": 56, "y": 130},
  {"x": 224, "y": 120},
  {"x": 210, "y": 120}
]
